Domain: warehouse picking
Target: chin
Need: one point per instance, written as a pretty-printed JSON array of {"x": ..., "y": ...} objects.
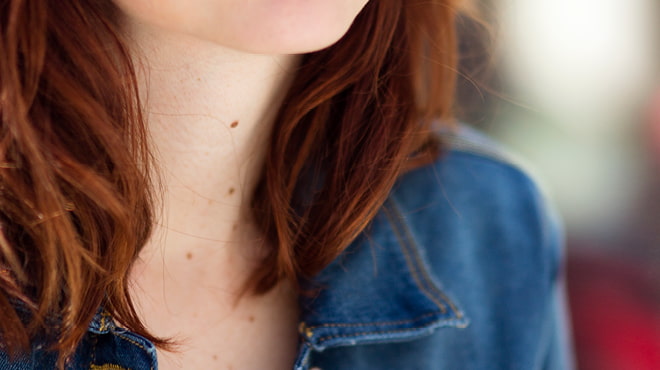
[
  {"x": 299, "y": 26},
  {"x": 295, "y": 45},
  {"x": 300, "y": 37},
  {"x": 255, "y": 26}
]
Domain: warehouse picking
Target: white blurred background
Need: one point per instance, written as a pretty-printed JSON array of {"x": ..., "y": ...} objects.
[
  {"x": 577, "y": 94},
  {"x": 586, "y": 69}
]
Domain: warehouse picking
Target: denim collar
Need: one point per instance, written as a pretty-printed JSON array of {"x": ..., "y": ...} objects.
[{"x": 379, "y": 290}]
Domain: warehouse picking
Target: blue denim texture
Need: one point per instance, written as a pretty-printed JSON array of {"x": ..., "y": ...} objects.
[{"x": 460, "y": 269}]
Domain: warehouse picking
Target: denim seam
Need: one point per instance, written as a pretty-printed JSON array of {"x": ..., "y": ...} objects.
[
  {"x": 134, "y": 343},
  {"x": 92, "y": 356},
  {"x": 342, "y": 325},
  {"x": 410, "y": 248},
  {"x": 373, "y": 332},
  {"x": 107, "y": 366},
  {"x": 415, "y": 268},
  {"x": 414, "y": 251},
  {"x": 131, "y": 341}
]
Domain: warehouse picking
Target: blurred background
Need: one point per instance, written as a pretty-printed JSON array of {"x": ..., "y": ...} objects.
[{"x": 573, "y": 87}]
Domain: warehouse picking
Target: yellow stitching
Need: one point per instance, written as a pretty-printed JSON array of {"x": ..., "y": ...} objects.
[
  {"x": 92, "y": 355},
  {"x": 372, "y": 323},
  {"x": 425, "y": 273},
  {"x": 107, "y": 367},
  {"x": 135, "y": 343},
  {"x": 131, "y": 341},
  {"x": 106, "y": 319},
  {"x": 413, "y": 251},
  {"x": 410, "y": 264}
]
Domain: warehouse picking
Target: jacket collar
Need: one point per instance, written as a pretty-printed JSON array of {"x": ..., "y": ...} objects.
[{"x": 378, "y": 290}]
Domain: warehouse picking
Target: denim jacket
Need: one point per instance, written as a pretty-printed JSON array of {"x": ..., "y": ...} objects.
[{"x": 460, "y": 269}]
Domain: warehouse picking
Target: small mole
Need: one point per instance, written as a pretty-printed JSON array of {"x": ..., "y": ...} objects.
[
  {"x": 229, "y": 367},
  {"x": 215, "y": 357},
  {"x": 231, "y": 191},
  {"x": 189, "y": 256},
  {"x": 251, "y": 318},
  {"x": 199, "y": 79},
  {"x": 234, "y": 124},
  {"x": 235, "y": 227}
]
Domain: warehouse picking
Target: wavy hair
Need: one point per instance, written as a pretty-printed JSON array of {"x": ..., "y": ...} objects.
[{"x": 76, "y": 198}]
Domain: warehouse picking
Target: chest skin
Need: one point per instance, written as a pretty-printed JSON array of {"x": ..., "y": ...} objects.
[
  {"x": 257, "y": 333},
  {"x": 197, "y": 303}
]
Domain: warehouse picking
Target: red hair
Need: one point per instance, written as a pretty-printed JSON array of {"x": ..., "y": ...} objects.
[{"x": 76, "y": 199}]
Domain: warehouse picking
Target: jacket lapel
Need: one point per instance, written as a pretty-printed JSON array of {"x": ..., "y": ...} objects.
[{"x": 378, "y": 290}]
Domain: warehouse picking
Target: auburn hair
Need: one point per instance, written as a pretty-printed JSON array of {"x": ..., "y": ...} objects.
[{"x": 76, "y": 197}]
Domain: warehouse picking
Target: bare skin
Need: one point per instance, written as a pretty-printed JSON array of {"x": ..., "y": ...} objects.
[
  {"x": 212, "y": 75},
  {"x": 210, "y": 145},
  {"x": 212, "y": 332}
]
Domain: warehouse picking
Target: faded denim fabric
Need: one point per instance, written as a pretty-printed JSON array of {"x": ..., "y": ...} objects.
[{"x": 461, "y": 269}]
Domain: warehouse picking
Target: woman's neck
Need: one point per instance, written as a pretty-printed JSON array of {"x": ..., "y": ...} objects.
[{"x": 209, "y": 111}]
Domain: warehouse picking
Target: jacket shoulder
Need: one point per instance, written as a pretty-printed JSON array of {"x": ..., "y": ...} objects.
[
  {"x": 480, "y": 195},
  {"x": 491, "y": 242}
]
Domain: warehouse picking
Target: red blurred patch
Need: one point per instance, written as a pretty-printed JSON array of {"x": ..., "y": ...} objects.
[{"x": 615, "y": 311}]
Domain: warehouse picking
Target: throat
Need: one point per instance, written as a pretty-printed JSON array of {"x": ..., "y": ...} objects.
[{"x": 214, "y": 328}]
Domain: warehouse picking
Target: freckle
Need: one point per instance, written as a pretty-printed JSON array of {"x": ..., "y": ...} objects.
[
  {"x": 215, "y": 357},
  {"x": 231, "y": 191},
  {"x": 251, "y": 318},
  {"x": 210, "y": 201},
  {"x": 235, "y": 227},
  {"x": 229, "y": 367},
  {"x": 234, "y": 124},
  {"x": 199, "y": 79},
  {"x": 189, "y": 255}
]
